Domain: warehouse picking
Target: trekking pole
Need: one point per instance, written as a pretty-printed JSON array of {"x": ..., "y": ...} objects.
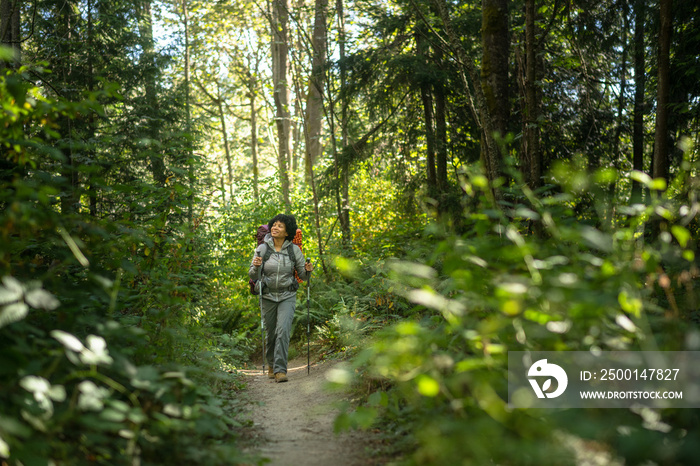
[
  {"x": 308, "y": 324},
  {"x": 262, "y": 318}
]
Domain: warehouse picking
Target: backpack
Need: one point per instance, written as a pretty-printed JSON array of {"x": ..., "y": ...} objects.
[{"x": 260, "y": 237}]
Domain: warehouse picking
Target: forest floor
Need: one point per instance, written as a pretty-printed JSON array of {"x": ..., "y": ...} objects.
[{"x": 293, "y": 421}]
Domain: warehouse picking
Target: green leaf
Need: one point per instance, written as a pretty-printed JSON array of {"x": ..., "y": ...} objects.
[
  {"x": 13, "y": 313},
  {"x": 91, "y": 396},
  {"x": 606, "y": 176},
  {"x": 682, "y": 235},
  {"x": 470, "y": 364},
  {"x": 112, "y": 415},
  {"x": 363, "y": 417},
  {"x": 342, "y": 422},
  {"x": 68, "y": 340},
  {"x": 172, "y": 410},
  {"x": 428, "y": 386},
  {"x": 11, "y": 290},
  {"x": 41, "y": 299},
  {"x": 6, "y": 54},
  {"x": 4, "y": 449},
  {"x": 641, "y": 177},
  {"x": 96, "y": 352},
  {"x": 630, "y": 305},
  {"x": 659, "y": 184},
  {"x": 35, "y": 384},
  {"x": 378, "y": 398}
]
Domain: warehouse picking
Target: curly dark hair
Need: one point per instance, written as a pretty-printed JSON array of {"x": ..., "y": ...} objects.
[{"x": 290, "y": 224}]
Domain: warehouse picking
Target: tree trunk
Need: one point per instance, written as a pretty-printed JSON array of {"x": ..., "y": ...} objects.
[
  {"x": 9, "y": 37},
  {"x": 440, "y": 139},
  {"x": 91, "y": 118},
  {"x": 64, "y": 69},
  {"x": 344, "y": 207},
  {"x": 224, "y": 132},
  {"x": 254, "y": 139},
  {"x": 477, "y": 102},
  {"x": 280, "y": 47},
  {"x": 427, "y": 99},
  {"x": 661, "y": 146},
  {"x": 345, "y": 204},
  {"x": 317, "y": 219},
  {"x": 531, "y": 130},
  {"x": 494, "y": 64},
  {"x": 222, "y": 185},
  {"x": 147, "y": 59},
  {"x": 188, "y": 115},
  {"x": 623, "y": 82},
  {"x": 296, "y": 128},
  {"x": 639, "y": 84},
  {"x": 10, "y": 29},
  {"x": 314, "y": 102},
  {"x": 297, "y": 76}
]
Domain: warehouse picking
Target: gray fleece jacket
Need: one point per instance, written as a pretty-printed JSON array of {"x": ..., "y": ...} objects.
[{"x": 278, "y": 276}]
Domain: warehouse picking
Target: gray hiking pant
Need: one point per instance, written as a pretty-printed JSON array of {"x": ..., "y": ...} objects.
[{"x": 278, "y": 326}]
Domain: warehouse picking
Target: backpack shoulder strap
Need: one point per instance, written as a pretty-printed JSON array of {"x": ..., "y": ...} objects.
[
  {"x": 292, "y": 255},
  {"x": 268, "y": 252}
]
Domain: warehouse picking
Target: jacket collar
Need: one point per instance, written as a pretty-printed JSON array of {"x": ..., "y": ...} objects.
[{"x": 271, "y": 242}]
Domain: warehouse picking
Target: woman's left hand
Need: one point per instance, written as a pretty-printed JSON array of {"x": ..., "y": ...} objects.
[{"x": 309, "y": 267}]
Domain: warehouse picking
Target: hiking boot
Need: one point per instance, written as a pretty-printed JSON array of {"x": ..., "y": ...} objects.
[
  {"x": 270, "y": 373},
  {"x": 281, "y": 377}
]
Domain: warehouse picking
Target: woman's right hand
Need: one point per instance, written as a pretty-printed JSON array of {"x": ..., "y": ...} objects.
[{"x": 257, "y": 261}]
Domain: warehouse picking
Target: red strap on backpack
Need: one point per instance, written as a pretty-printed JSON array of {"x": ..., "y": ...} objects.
[{"x": 298, "y": 241}]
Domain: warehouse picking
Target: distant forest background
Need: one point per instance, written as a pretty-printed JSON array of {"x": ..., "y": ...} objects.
[{"x": 471, "y": 178}]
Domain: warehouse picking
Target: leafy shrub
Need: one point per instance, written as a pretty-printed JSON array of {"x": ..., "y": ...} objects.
[
  {"x": 80, "y": 401},
  {"x": 101, "y": 318},
  {"x": 532, "y": 275}
]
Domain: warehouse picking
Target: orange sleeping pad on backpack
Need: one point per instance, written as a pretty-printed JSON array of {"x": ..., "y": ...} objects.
[{"x": 298, "y": 241}]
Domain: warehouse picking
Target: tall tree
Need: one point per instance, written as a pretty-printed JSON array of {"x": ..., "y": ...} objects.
[
  {"x": 532, "y": 154},
  {"x": 344, "y": 174},
  {"x": 90, "y": 124},
  {"x": 495, "y": 37},
  {"x": 490, "y": 153},
  {"x": 66, "y": 19},
  {"x": 661, "y": 145},
  {"x": 314, "y": 100},
  {"x": 280, "y": 76},
  {"x": 10, "y": 28},
  {"x": 189, "y": 154},
  {"x": 218, "y": 102},
  {"x": 639, "y": 88},
  {"x": 215, "y": 107},
  {"x": 150, "y": 73},
  {"x": 621, "y": 101},
  {"x": 252, "y": 86},
  {"x": 441, "y": 149},
  {"x": 424, "y": 81}
]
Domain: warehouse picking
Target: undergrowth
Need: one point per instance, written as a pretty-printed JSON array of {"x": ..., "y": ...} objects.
[{"x": 531, "y": 275}]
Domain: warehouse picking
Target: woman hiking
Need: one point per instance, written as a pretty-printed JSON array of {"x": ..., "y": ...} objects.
[{"x": 279, "y": 288}]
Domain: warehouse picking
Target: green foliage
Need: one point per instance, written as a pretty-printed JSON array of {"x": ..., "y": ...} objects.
[
  {"x": 532, "y": 275},
  {"x": 343, "y": 331},
  {"x": 124, "y": 287},
  {"x": 104, "y": 341},
  {"x": 75, "y": 401}
]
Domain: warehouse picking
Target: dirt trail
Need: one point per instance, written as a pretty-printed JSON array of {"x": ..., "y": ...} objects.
[{"x": 294, "y": 420}]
